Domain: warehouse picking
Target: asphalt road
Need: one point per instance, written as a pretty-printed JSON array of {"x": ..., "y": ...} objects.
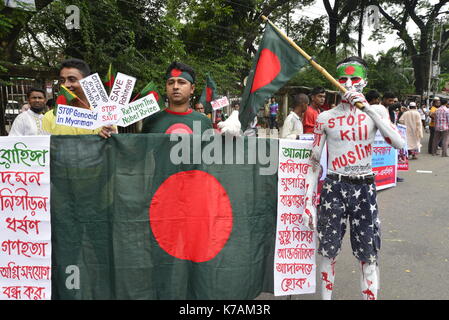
[{"x": 414, "y": 256}]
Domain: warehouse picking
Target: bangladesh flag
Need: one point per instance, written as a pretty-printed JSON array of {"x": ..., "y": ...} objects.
[
  {"x": 151, "y": 88},
  {"x": 209, "y": 94},
  {"x": 274, "y": 64},
  {"x": 133, "y": 225},
  {"x": 65, "y": 96},
  {"x": 109, "y": 79}
]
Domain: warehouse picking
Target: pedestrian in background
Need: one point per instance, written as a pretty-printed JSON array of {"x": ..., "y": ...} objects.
[
  {"x": 292, "y": 127},
  {"x": 412, "y": 119},
  {"x": 435, "y": 105},
  {"x": 274, "y": 107},
  {"x": 317, "y": 97},
  {"x": 441, "y": 129}
]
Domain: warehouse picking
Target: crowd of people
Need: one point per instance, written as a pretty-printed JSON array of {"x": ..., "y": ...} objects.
[
  {"x": 349, "y": 190},
  {"x": 418, "y": 118}
]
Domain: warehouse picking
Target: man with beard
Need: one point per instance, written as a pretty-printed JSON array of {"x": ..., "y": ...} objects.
[{"x": 29, "y": 122}]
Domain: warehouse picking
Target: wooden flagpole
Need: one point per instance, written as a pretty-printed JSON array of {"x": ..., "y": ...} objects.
[{"x": 312, "y": 62}]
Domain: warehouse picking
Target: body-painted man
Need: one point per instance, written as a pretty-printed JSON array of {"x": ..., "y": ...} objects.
[{"x": 348, "y": 191}]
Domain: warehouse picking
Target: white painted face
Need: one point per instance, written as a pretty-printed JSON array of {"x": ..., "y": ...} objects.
[
  {"x": 354, "y": 84},
  {"x": 352, "y": 76}
]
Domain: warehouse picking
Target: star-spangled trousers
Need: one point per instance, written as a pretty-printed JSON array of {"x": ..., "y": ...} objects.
[{"x": 340, "y": 202}]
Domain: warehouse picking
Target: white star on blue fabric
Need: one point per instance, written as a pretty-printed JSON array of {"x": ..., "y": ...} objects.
[
  {"x": 327, "y": 205},
  {"x": 328, "y": 187}
]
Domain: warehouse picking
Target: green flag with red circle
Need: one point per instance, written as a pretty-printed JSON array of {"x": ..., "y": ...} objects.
[
  {"x": 151, "y": 88},
  {"x": 138, "y": 226},
  {"x": 208, "y": 94},
  {"x": 275, "y": 63}
]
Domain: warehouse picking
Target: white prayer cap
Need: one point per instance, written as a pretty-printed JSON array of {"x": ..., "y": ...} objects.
[{"x": 412, "y": 104}]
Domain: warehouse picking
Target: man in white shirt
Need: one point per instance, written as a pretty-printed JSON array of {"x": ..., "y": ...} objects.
[
  {"x": 29, "y": 122},
  {"x": 292, "y": 127}
]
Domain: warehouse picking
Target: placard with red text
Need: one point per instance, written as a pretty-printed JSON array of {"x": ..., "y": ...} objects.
[
  {"x": 25, "y": 231},
  {"x": 295, "y": 255}
]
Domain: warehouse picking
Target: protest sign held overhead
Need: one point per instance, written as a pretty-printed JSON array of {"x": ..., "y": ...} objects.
[{"x": 220, "y": 103}]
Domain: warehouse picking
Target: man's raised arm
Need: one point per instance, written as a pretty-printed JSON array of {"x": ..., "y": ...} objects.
[{"x": 380, "y": 117}]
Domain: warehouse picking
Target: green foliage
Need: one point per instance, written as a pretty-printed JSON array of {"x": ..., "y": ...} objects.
[
  {"x": 220, "y": 37},
  {"x": 391, "y": 72}
]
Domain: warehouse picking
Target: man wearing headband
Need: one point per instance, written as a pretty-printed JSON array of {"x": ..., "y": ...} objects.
[
  {"x": 348, "y": 191},
  {"x": 178, "y": 117}
]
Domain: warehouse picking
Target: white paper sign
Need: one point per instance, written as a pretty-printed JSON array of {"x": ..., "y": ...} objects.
[
  {"x": 94, "y": 90},
  {"x": 25, "y": 230},
  {"x": 121, "y": 92},
  {"x": 220, "y": 103},
  {"x": 294, "y": 262},
  {"x": 77, "y": 117},
  {"x": 138, "y": 110},
  {"x": 28, "y": 5}
]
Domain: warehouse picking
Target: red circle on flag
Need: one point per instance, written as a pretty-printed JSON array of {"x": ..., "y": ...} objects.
[
  {"x": 349, "y": 70},
  {"x": 179, "y": 128},
  {"x": 155, "y": 94},
  {"x": 191, "y": 216},
  {"x": 176, "y": 72},
  {"x": 209, "y": 93},
  {"x": 268, "y": 68},
  {"x": 61, "y": 100}
]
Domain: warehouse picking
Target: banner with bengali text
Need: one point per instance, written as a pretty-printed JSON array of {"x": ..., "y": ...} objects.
[
  {"x": 384, "y": 163},
  {"x": 25, "y": 230},
  {"x": 294, "y": 259},
  {"x": 403, "y": 153}
]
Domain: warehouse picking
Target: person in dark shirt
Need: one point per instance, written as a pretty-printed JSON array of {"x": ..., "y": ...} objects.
[{"x": 178, "y": 117}]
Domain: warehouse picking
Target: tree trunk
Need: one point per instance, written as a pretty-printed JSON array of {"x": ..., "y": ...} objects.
[
  {"x": 421, "y": 70},
  {"x": 333, "y": 26},
  {"x": 359, "y": 44}
]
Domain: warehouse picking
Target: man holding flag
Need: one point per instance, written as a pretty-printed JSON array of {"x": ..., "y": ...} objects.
[
  {"x": 349, "y": 191},
  {"x": 274, "y": 64}
]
